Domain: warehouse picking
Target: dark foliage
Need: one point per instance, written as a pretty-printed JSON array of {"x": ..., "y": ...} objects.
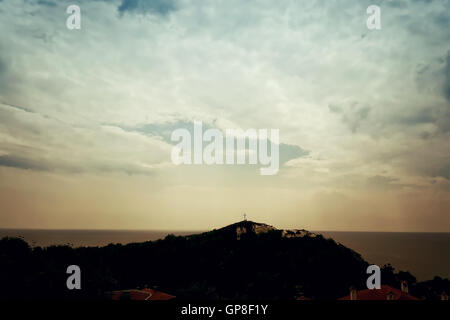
[
  {"x": 212, "y": 265},
  {"x": 427, "y": 290}
]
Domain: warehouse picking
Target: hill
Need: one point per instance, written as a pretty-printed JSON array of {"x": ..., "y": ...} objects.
[{"x": 245, "y": 260}]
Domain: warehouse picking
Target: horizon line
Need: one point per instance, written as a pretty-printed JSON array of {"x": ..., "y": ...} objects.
[{"x": 202, "y": 230}]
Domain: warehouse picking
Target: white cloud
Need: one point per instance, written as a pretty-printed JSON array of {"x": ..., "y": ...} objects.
[{"x": 247, "y": 64}]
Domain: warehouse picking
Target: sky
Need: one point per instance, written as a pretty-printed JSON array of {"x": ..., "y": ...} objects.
[{"x": 363, "y": 115}]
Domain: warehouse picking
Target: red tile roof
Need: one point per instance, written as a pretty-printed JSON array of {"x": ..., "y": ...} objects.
[
  {"x": 158, "y": 295},
  {"x": 381, "y": 294},
  {"x": 144, "y": 294}
]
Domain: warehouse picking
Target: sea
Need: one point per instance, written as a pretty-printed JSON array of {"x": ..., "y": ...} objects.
[{"x": 425, "y": 255}]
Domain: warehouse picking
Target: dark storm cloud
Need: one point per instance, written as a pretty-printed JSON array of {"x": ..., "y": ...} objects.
[
  {"x": 34, "y": 163},
  {"x": 159, "y": 7},
  {"x": 21, "y": 163}
]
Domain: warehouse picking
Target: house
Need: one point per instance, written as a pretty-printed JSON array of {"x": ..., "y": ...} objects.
[
  {"x": 384, "y": 293},
  {"x": 140, "y": 294}
]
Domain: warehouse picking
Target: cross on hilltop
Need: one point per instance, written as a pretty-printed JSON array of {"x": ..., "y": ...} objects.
[{"x": 245, "y": 217}]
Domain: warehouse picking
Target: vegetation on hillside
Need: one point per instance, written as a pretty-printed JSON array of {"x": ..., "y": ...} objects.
[{"x": 212, "y": 265}]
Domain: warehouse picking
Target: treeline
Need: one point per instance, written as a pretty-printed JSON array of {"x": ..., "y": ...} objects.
[{"x": 213, "y": 265}]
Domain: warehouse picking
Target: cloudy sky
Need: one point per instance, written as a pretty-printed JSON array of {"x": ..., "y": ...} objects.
[{"x": 364, "y": 116}]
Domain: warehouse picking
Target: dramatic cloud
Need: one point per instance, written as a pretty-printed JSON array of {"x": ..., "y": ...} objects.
[
  {"x": 164, "y": 131},
  {"x": 36, "y": 142},
  {"x": 363, "y": 116},
  {"x": 22, "y": 163}
]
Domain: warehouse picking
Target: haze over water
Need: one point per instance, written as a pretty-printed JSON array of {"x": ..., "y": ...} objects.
[{"x": 425, "y": 255}]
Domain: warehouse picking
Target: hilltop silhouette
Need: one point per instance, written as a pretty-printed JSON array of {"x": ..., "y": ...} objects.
[{"x": 245, "y": 260}]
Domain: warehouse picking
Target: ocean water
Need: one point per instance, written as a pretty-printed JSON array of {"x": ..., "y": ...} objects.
[
  {"x": 80, "y": 238},
  {"x": 425, "y": 255}
]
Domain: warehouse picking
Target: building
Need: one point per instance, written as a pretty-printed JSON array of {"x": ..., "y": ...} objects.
[
  {"x": 384, "y": 293},
  {"x": 140, "y": 294}
]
